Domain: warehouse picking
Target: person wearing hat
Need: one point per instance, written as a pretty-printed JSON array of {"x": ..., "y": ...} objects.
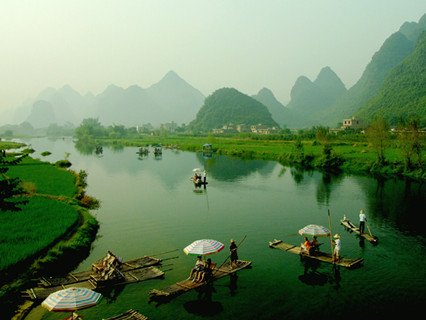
[
  {"x": 337, "y": 246},
  {"x": 362, "y": 220},
  {"x": 233, "y": 254}
]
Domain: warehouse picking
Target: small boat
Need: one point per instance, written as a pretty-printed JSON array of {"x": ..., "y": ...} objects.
[
  {"x": 128, "y": 315},
  {"x": 142, "y": 151},
  {"x": 320, "y": 256},
  {"x": 166, "y": 294},
  {"x": 199, "y": 178},
  {"x": 353, "y": 228},
  {"x": 158, "y": 150}
]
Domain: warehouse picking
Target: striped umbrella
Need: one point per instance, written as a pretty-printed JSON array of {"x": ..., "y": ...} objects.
[
  {"x": 315, "y": 230},
  {"x": 204, "y": 247},
  {"x": 71, "y": 299}
]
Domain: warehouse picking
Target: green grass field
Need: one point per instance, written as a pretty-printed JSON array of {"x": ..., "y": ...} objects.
[
  {"x": 50, "y": 213},
  {"x": 28, "y": 232},
  {"x": 44, "y": 177}
]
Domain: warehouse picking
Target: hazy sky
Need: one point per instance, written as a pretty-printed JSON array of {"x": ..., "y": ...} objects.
[{"x": 248, "y": 45}]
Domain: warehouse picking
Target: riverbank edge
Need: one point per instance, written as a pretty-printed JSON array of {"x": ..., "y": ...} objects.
[
  {"x": 358, "y": 165},
  {"x": 64, "y": 254}
]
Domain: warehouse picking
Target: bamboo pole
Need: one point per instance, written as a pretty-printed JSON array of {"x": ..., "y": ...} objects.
[{"x": 331, "y": 233}]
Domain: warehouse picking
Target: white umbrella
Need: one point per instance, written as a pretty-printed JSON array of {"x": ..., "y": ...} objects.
[
  {"x": 204, "y": 247},
  {"x": 71, "y": 299},
  {"x": 314, "y": 230}
]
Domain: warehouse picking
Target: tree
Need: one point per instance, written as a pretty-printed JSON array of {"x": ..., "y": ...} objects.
[
  {"x": 410, "y": 142},
  {"x": 10, "y": 188},
  {"x": 89, "y": 129},
  {"x": 378, "y": 136}
]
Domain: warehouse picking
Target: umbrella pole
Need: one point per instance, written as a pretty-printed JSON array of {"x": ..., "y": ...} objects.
[{"x": 331, "y": 241}]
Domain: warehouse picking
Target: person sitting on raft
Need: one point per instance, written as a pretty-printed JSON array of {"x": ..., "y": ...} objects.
[
  {"x": 199, "y": 266},
  {"x": 306, "y": 246},
  {"x": 206, "y": 273}
]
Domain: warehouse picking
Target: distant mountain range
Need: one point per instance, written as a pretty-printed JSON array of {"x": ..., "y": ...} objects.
[
  {"x": 392, "y": 85},
  {"x": 171, "y": 99}
]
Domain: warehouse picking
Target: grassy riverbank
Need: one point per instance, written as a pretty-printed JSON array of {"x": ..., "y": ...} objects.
[
  {"x": 52, "y": 233},
  {"x": 353, "y": 155}
]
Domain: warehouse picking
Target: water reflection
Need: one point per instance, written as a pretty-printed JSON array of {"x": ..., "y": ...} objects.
[
  {"x": 204, "y": 305},
  {"x": 313, "y": 277},
  {"x": 226, "y": 168},
  {"x": 399, "y": 201},
  {"x": 326, "y": 185}
]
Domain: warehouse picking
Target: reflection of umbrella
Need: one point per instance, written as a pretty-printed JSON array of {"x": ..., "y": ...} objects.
[
  {"x": 204, "y": 247},
  {"x": 314, "y": 230},
  {"x": 71, "y": 299}
]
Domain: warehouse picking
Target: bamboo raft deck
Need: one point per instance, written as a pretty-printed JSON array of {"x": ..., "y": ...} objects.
[
  {"x": 130, "y": 276},
  {"x": 321, "y": 256},
  {"x": 352, "y": 228},
  {"x": 181, "y": 287},
  {"x": 70, "y": 278},
  {"x": 128, "y": 315}
]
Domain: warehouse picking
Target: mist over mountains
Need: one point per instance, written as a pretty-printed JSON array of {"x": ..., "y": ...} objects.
[
  {"x": 171, "y": 99},
  {"x": 392, "y": 84}
]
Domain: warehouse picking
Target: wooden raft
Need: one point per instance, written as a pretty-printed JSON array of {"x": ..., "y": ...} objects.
[
  {"x": 321, "y": 256},
  {"x": 351, "y": 227},
  {"x": 70, "y": 278},
  {"x": 130, "y": 276},
  {"x": 128, "y": 315},
  {"x": 186, "y": 285}
]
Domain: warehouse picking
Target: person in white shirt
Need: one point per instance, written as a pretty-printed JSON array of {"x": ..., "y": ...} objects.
[
  {"x": 337, "y": 246},
  {"x": 362, "y": 220}
]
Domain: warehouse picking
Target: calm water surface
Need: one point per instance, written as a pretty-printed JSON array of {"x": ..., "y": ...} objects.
[{"x": 149, "y": 207}]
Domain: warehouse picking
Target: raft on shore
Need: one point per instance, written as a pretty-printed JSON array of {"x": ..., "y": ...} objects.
[
  {"x": 168, "y": 293},
  {"x": 351, "y": 227},
  {"x": 320, "y": 256}
]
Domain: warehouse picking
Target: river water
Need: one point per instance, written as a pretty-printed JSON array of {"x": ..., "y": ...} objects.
[{"x": 150, "y": 207}]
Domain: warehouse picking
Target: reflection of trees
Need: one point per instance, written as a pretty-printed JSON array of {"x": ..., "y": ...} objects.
[
  {"x": 325, "y": 186},
  {"x": 227, "y": 168},
  {"x": 85, "y": 147},
  {"x": 297, "y": 174},
  {"x": 401, "y": 201},
  {"x": 117, "y": 148}
]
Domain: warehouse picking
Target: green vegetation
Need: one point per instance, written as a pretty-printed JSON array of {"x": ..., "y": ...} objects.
[
  {"x": 34, "y": 172},
  {"x": 52, "y": 231},
  {"x": 403, "y": 93},
  {"x": 228, "y": 106},
  {"x": 34, "y": 228}
]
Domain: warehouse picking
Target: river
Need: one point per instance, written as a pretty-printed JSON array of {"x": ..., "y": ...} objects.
[{"x": 149, "y": 206}]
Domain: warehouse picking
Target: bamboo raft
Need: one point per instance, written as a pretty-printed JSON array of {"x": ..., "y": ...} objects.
[
  {"x": 71, "y": 278},
  {"x": 351, "y": 227},
  {"x": 133, "y": 271},
  {"x": 321, "y": 256},
  {"x": 178, "y": 288},
  {"x": 128, "y": 315}
]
